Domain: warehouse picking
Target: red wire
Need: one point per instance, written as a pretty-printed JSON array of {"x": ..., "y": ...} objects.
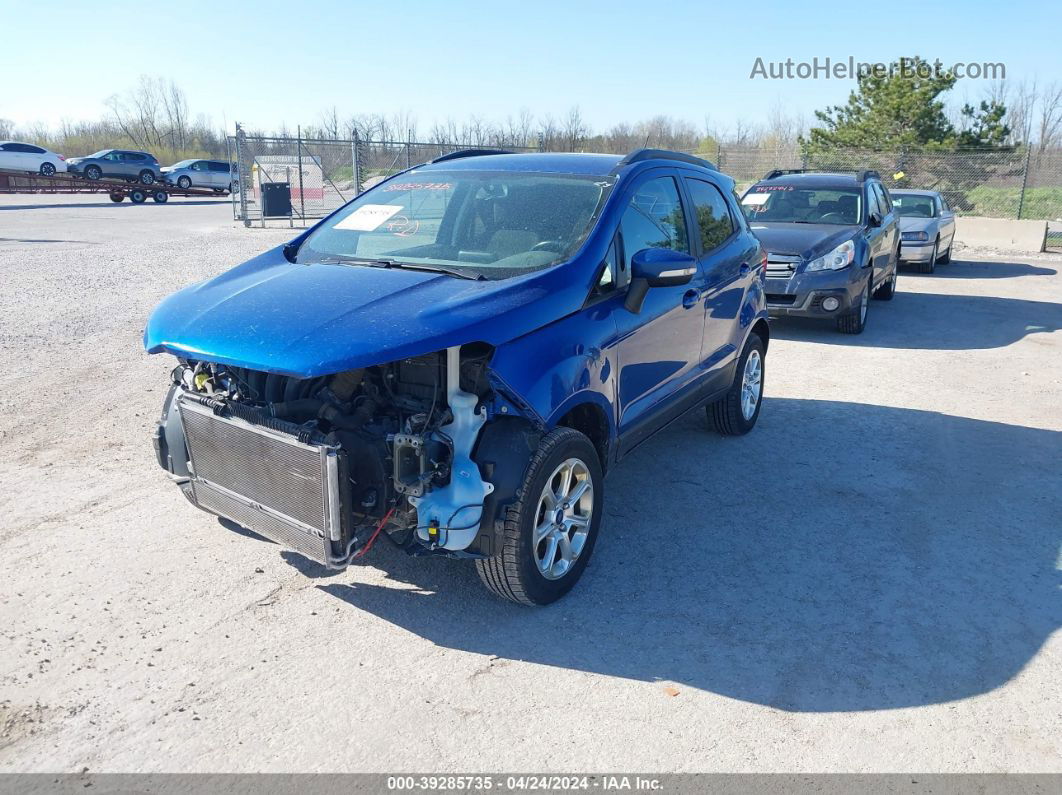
[{"x": 372, "y": 538}]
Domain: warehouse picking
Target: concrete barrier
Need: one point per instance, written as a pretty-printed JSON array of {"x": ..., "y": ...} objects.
[{"x": 1001, "y": 233}]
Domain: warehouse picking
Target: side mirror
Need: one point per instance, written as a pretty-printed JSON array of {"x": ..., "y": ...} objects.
[
  {"x": 657, "y": 267},
  {"x": 875, "y": 218}
]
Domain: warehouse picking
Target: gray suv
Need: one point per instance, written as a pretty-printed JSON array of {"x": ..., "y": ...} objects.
[{"x": 117, "y": 163}]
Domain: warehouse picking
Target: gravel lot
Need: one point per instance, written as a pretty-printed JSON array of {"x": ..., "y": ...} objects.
[{"x": 868, "y": 582}]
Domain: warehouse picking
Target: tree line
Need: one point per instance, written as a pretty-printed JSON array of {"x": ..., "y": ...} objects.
[{"x": 882, "y": 112}]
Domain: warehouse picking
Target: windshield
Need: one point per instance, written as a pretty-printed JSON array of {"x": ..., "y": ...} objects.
[
  {"x": 913, "y": 205},
  {"x": 182, "y": 164},
  {"x": 101, "y": 153},
  {"x": 493, "y": 224},
  {"x": 786, "y": 203}
]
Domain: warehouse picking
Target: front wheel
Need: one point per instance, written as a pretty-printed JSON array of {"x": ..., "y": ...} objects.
[
  {"x": 929, "y": 267},
  {"x": 736, "y": 413},
  {"x": 47, "y": 169},
  {"x": 855, "y": 321},
  {"x": 888, "y": 289},
  {"x": 184, "y": 182},
  {"x": 549, "y": 533},
  {"x": 93, "y": 172}
]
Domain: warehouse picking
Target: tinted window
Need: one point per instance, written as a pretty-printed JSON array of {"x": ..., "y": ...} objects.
[
  {"x": 654, "y": 219},
  {"x": 199, "y": 165},
  {"x": 610, "y": 277},
  {"x": 8, "y": 148},
  {"x": 34, "y": 150},
  {"x": 712, "y": 213},
  {"x": 133, "y": 157},
  {"x": 219, "y": 167},
  {"x": 886, "y": 197}
]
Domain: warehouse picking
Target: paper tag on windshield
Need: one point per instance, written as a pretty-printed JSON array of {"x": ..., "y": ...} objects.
[
  {"x": 756, "y": 199},
  {"x": 368, "y": 217}
]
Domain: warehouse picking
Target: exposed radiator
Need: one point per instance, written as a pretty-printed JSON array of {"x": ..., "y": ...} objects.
[{"x": 266, "y": 481}]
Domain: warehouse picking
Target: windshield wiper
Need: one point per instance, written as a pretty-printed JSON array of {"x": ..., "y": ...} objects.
[{"x": 383, "y": 262}]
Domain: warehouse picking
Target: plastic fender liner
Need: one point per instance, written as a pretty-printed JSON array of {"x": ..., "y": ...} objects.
[
  {"x": 503, "y": 452},
  {"x": 168, "y": 438}
]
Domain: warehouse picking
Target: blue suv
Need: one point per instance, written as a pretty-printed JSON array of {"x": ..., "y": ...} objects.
[{"x": 455, "y": 358}]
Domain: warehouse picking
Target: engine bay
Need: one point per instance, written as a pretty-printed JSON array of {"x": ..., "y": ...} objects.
[{"x": 403, "y": 432}]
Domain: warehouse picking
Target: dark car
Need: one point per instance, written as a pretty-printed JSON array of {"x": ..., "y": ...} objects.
[
  {"x": 456, "y": 357},
  {"x": 124, "y": 164},
  {"x": 832, "y": 242}
]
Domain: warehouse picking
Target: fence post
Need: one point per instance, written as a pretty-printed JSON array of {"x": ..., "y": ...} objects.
[
  {"x": 1024, "y": 180},
  {"x": 302, "y": 197},
  {"x": 244, "y": 181},
  {"x": 355, "y": 148}
]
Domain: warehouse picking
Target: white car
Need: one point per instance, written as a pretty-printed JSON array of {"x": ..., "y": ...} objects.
[{"x": 18, "y": 156}]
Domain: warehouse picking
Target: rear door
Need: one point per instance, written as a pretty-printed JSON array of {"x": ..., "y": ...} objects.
[
  {"x": 12, "y": 157},
  {"x": 658, "y": 348},
  {"x": 722, "y": 254},
  {"x": 947, "y": 223},
  {"x": 219, "y": 174},
  {"x": 877, "y": 236}
]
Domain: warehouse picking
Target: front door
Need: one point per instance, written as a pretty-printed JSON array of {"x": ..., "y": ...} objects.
[{"x": 659, "y": 347}]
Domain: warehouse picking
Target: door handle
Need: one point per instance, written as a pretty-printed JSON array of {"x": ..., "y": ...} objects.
[{"x": 689, "y": 299}]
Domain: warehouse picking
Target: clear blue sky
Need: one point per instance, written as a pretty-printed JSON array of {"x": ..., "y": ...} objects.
[{"x": 264, "y": 63}]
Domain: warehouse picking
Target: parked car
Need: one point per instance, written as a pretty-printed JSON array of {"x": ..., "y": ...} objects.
[
  {"x": 832, "y": 242},
  {"x": 33, "y": 159},
  {"x": 927, "y": 228},
  {"x": 456, "y": 358},
  {"x": 216, "y": 174},
  {"x": 117, "y": 163}
]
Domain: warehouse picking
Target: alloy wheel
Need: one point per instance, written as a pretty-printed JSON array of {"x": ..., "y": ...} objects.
[
  {"x": 751, "y": 384},
  {"x": 562, "y": 519}
]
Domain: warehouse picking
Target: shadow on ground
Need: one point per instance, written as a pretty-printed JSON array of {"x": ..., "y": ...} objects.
[
  {"x": 983, "y": 269},
  {"x": 942, "y": 322},
  {"x": 914, "y": 564}
]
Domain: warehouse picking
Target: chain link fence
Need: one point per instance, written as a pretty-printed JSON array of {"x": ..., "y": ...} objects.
[{"x": 323, "y": 174}]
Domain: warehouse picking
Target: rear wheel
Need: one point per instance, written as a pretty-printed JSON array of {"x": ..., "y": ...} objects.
[
  {"x": 184, "y": 182},
  {"x": 856, "y": 320},
  {"x": 117, "y": 197},
  {"x": 147, "y": 177},
  {"x": 160, "y": 196},
  {"x": 736, "y": 413},
  {"x": 93, "y": 172},
  {"x": 549, "y": 533},
  {"x": 137, "y": 196},
  {"x": 47, "y": 169}
]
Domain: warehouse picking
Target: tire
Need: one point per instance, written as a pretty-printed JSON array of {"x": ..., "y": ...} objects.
[
  {"x": 888, "y": 289},
  {"x": 146, "y": 177},
  {"x": 184, "y": 182},
  {"x": 47, "y": 169},
  {"x": 93, "y": 172},
  {"x": 137, "y": 196},
  {"x": 732, "y": 415},
  {"x": 517, "y": 571},
  {"x": 855, "y": 321},
  {"x": 945, "y": 258},
  {"x": 929, "y": 267},
  {"x": 117, "y": 197},
  {"x": 160, "y": 196}
]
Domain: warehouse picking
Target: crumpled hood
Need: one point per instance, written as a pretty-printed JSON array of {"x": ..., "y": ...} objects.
[
  {"x": 807, "y": 240},
  {"x": 309, "y": 320}
]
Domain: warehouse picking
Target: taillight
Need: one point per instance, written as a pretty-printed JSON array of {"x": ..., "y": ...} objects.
[
  {"x": 763, "y": 266},
  {"x": 63, "y": 158}
]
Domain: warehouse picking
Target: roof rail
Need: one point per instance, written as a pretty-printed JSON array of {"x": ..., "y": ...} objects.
[
  {"x": 861, "y": 175},
  {"x": 460, "y": 153},
  {"x": 638, "y": 155}
]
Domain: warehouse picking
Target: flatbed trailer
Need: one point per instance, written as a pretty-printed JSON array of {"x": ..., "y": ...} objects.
[{"x": 117, "y": 189}]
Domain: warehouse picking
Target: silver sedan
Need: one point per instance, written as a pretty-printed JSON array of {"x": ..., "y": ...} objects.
[{"x": 927, "y": 227}]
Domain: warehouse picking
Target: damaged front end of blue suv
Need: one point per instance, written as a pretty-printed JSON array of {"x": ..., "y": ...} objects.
[{"x": 455, "y": 358}]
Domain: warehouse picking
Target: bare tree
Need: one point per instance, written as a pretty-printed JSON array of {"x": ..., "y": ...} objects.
[
  {"x": 1049, "y": 123},
  {"x": 575, "y": 128}
]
